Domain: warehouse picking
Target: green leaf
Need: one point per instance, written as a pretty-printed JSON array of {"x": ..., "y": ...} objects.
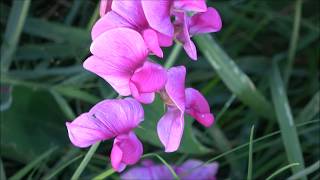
[
  {"x": 104, "y": 174},
  {"x": 281, "y": 170},
  {"x": 6, "y": 97},
  {"x": 284, "y": 116},
  {"x": 249, "y": 174},
  {"x": 147, "y": 130},
  {"x": 236, "y": 80},
  {"x": 310, "y": 110},
  {"x": 306, "y": 171}
]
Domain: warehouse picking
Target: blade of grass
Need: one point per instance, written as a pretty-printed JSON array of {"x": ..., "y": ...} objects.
[
  {"x": 310, "y": 110},
  {"x": 249, "y": 175},
  {"x": 17, "y": 17},
  {"x": 281, "y": 170},
  {"x": 173, "y": 55},
  {"x": 284, "y": 116},
  {"x": 21, "y": 173},
  {"x": 85, "y": 161},
  {"x": 73, "y": 12},
  {"x": 104, "y": 175},
  {"x": 2, "y": 171},
  {"x": 306, "y": 171},
  {"x": 293, "y": 41},
  {"x": 64, "y": 106},
  {"x": 164, "y": 162},
  {"x": 76, "y": 93},
  {"x": 237, "y": 81}
]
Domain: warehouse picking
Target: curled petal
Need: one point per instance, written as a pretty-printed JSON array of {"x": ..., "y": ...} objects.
[
  {"x": 175, "y": 86},
  {"x": 145, "y": 98},
  {"x": 85, "y": 131},
  {"x": 188, "y": 170},
  {"x": 157, "y": 14},
  {"x": 151, "y": 39},
  {"x": 209, "y": 21},
  {"x": 170, "y": 129},
  {"x": 198, "y": 107},
  {"x": 190, "y": 5},
  {"x": 105, "y": 6},
  {"x": 126, "y": 150}
]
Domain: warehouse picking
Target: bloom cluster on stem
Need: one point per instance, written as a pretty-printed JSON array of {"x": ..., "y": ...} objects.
[{"x": 122, "y": 39}]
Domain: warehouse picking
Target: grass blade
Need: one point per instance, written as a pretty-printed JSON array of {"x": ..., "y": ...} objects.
[
  {"x": 21, "y": 173},
  {"x": 13, "y": 31},
  {"x": 173, "y": 55},
  {"x": 284, "y": 116},
  {"x": 104, "y": 175},
  {"x": 306, "y": 171},
  {"x": 85, "y": 161},
  {"x": 237, "y": 81},
  {"x": 249, "y": 176},
  {"x": 64, "y": 106},
  {"x": 2, "y": 171},
  {"x": 310, "y": 110},
  {"x": 281, "y": 170}
]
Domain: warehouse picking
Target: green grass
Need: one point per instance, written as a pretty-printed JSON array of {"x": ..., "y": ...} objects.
[{"x": 261, "y": 70}]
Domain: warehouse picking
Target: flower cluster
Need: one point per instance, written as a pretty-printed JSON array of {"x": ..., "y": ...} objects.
[{"x": 123, "y": 38}]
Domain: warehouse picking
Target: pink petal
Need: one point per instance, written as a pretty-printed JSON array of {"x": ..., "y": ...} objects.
[
  {"x": 164, "y": 40},
  {"x": 151, "y": 39},
  {"x": 85, "y": 131},
  {"x": 175, "y": 86},
  {"x": 145, "y": 98},
  {"x": 198, "y": 107},
  {"x": 105, "y": 6},
  {"x": 170, "y": 129},
  {"x": 109, "y": 21},
  {"x": 206, "y": 22},
  {"x": 126, "y": 150},
  {"x": 188, "y": 170},
  {"x": 157, "y": 14},
  {"x": 131, "y": 11},
  {"x": 190, "y": 5},
  {"x": 154, "y": 172}
]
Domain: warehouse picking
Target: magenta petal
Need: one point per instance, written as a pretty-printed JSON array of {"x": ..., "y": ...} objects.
[
  {"x": 85, "y": 131},
  {"x": 151, "y": 39},
  {"x": 190, "y": 5},
  {"x": 145, "y": 98},
  {"x": 164, "y": 40},
  {"x": 175, "y": 86},
  {"x": 206, "y": 22},
  {"x": 127, "y": 150},
  {"x": 188, "y": 170},
  {"x": 198, "y": 107},
  {"x": 109, "y": 21},
  {"x": 150, "y": 172},
  {"x": 105, "y": 6},
  {"x": 157, "y": 14},
  {"x": 170, "y": 129}
]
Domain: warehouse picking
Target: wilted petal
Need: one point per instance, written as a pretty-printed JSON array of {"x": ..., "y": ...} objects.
[
  {"x": 175, "y": 86},
  {"x": 105, "y": 6},
  {"x": 170, "y": 129},
  {"x": 85, "y": 131},
  {"x": 190, "y": 5},
  {"x": 117, "y": 54},
  {"x": 109, "y": 21},
  {"x": 198, "y": 107},
  {"x": 189, "y": 170},
  {"x": 157, "y": 14},
  {"x": 131, "y": 11},
  {"x": 206, "y": 22},
  {"x": 151, "y": 39},
  {"x": 149, "y": 172},
  {"x": 126, "y": 150}
]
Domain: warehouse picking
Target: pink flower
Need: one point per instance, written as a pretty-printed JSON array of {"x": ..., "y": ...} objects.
[
  {"x": 130, "y": 14},
  {"x": 120, "y": 57},
  {"x": 105, "y": 7},
  {"x": 187, "y": 171},
  {"x": 106, "y": 120},
  {"x": 178, "y": 101}
]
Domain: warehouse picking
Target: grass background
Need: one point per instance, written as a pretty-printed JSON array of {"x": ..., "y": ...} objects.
[{"x": 261, "y": 70}]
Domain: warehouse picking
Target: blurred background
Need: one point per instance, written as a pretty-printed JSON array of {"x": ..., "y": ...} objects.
[{"x": 261, "y": 70}]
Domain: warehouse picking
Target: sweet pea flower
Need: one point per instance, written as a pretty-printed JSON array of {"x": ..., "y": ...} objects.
[
  {"x": 178, "y": 101},
  {"x": 111, "y": 119},
  {"x": 120, "y": 57},
  {"x": 190, "y": 170},
  {"x": 105, "y": 7},
  {"x": 130, "y": 14}
]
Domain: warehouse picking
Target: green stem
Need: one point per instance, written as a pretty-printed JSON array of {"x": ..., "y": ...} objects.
[{"x": 173, "y": 55}]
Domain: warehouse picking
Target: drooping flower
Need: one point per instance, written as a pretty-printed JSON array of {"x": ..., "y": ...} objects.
[
  {"x": 130, "y": 14},
  {"x": 178, "y": 101},
  {"x": 190, "y": 170},
  {"x": 120, "y": 57},
  {"x": 111, "y": 119}
]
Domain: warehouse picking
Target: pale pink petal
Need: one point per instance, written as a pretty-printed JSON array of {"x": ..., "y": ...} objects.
[
  {"x": 109, "y": 21},
  {"x": 175, "y": 86},
  {"x": 145, "y": 98},
  {"x": 127, "y": 150},
  {"x": 131, "y": 11},
  {"x": 198, "y": 107},
  {"x": 190, "y": 5},
  {"x": 151, "y": 39},
  {"x": 206, "y": 22},
  {"x": 170, "y": 129},
  {"x": 85, "y": 131},
  {"x": 195, "y": 169},
  {"x": 105, "y": 6},
  {"x": 150, "y": 172},
  {"x": 157, "y": 14},
  {"x": 164, "y": 40}
]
